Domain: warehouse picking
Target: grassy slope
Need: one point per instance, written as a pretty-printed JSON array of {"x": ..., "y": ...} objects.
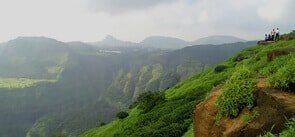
[
  {"x": 190, "y": 92},
  {"x": 20, "y": 82}
]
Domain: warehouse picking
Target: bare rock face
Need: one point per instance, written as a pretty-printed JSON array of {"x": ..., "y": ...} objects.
[{"x": 272, "y": 108}]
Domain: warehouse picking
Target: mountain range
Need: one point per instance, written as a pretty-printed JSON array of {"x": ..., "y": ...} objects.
[
  {"x": 163, "y": 42},
  {"x": 52, "y": 87}
]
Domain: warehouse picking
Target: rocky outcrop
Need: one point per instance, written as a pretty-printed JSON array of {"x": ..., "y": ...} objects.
[{"x": 271, "y": 110}]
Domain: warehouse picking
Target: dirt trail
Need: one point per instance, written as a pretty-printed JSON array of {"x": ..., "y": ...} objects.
[
  {"x": 272, "y": 105},
  {"x": 287, "y": 99}
]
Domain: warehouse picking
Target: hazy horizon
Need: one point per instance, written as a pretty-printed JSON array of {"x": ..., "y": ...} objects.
[{"x": 132, "y": 20}]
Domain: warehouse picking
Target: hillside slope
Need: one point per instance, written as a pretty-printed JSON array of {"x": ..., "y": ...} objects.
[
  {"x": 217, "y": 39},
  {"x": 169, "y": 113}
]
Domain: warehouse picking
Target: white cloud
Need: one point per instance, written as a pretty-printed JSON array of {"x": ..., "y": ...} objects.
[
  {"x": 69, "y": 20},
  {"x": 119, "y": 6},
  {"x": 203, "y": 17},
  {"x": 273, "y": 10}
]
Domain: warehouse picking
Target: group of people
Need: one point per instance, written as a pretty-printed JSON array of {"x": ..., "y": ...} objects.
[{"x": 274, "y": 35}]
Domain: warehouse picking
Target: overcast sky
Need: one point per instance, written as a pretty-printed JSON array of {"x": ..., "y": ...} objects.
[{"x": 133, "y": 20}]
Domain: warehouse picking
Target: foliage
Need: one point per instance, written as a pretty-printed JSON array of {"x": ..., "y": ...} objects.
[
  {"x": 237, "y": 93},
  {"x": 20, "y": 82},
  {"x": 189, "y": 133},
  {"x": 220, "y": 68},
  {"x": 59, "y": 135},
  {"x": 101, "y": 124},
  {"x": 288, "y": 132},
  {"x": 247, "y": 118},
  {"x": 91, "y": 86},
  {"x": 284, "y": 78},
  {"x": 173, "y": 116},
  {"x": 122, "y": 115},
  {"x": 148, "y": 100},
  {"x": 290, "y": 36}
]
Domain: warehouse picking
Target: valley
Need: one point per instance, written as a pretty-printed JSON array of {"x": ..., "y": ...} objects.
[{"x": 50, "y": 87}]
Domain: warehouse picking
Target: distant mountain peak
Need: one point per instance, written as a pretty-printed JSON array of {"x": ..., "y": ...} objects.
[
  {"x": 111, "y": 41},
  {"x": 164, "y": 42},
  {"x": 217, "y": 40},
  {"x": 110, "y": 38}
]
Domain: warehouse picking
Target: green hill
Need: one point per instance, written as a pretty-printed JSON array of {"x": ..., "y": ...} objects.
[
  {"x": 33, "y": 57},
  {"x": 48, "y": 86},
  {"x": 169, "y": 113}
]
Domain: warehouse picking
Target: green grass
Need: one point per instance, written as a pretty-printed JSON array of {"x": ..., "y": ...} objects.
[
  {"x": 190, "y": 132},
  {"x": 173, "y": 116},
  {"x": 285, "y": 76},
  {"x": 20, "y": 82},
  {"x": 169, "y": 117},
  {"x": 238, "y": 92},
  {"x": 114, "y": 127},
  {"x": 288, "y": 132},
  {"x": 249, "y": 117}
]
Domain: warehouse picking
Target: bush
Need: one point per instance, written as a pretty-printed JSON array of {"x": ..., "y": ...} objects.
[
  {"x": 237, "y": 93},
  {"x": 284, "y": 78},
  {"x": 101, "y": 124},
  {"x": 148, "y": 100},
  {"x": 122, "y": 115},
  {"x": 220, "y": 68}
]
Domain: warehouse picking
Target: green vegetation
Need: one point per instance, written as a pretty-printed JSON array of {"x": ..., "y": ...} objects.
[
  {"x": 93, "y": 88},
  {"x": 249, "y": 117},
  {"x": 288, "y": 132},
  {"x": 147, "y": 101},
  {"x": 59, "y": 135},
  {"x": 164, "y": 113},
  {"x": 284, "y": 78},
  {"x": 237, "y": 93},
  {"x": 220, "y": 68},
  {"x": 122, "y": 115},
  {"x": 20, "y": 82},
  {"x": 189, "y": 133},
  {"x": 172, "y": 116}
]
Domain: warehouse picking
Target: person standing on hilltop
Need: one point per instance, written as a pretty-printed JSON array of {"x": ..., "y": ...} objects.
[
  {"x": 273, "y": 33},
  {"x": 265, "y": 37},
  {"x": 277, "y": 34}
]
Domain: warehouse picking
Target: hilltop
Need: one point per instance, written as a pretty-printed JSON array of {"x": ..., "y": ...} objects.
[
  {"x": 169, "y": 113},
  {"x": 217, "y": 39}
]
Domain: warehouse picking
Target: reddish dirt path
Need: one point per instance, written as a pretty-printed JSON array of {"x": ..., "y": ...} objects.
[
  {"x": 287, "y": 99},
  {"x": 272, "y": 104}
]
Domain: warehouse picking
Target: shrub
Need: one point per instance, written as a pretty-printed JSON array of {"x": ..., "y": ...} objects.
[
  {"x": 237, "y": 93},
  {"x": 239, "y": 57},
  {"x": 284, "y": 78},
  {"x": 148, "y": 100},
  {"x": 220, "y": 68},
  {"x": 101, "y": 124},
  {"x": 122, "y": 115}
]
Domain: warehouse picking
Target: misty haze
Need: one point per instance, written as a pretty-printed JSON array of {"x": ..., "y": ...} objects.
[{"x": 147, "y": 68}]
